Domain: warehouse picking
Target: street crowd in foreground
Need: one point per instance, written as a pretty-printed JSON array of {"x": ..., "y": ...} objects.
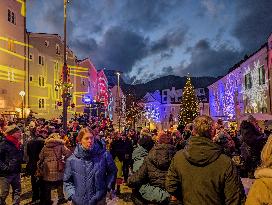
[{"x": 202, "y": 164}]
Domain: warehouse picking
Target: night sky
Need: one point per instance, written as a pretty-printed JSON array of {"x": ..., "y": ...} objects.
[{"x": 151, "y": 38}]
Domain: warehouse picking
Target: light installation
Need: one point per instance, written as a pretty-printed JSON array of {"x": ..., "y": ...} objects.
[
  {"x": 152, "y": 112},
  {"x": 224, "y": 96},
  {"x": 256, "y": 95}
]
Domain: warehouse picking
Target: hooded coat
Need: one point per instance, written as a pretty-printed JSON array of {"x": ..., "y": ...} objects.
[
  {"x": 89, "y": 174},
  {"x": 201, "y": 174},
  {"x": 261, "y": 190},
  {"x": 138, "y": 156},
  {"x": 155, "y": 167},
  {"x": 52, "y": 155}
]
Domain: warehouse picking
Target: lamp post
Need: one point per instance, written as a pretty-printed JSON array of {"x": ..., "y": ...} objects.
[
  {"x": 64, "y": 74},
  {"x": 119, "y": 100},
  {"x": 22, "y": 94}
]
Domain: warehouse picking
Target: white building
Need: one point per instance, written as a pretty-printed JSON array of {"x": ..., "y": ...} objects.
[{"x": 162, "y": 107}]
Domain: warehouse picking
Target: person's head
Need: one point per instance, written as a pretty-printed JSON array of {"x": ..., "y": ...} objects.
[
  {"x": 86, "y": 138},
  {"x": 3, "y": 123},
  {"x": 131, "y": 132},
  {"x": 14, "y": 131},
  {"x": 145, "y": 132},
  {"x": 164, "y": 138},
  {"x": 176, "y": 134},
  {"x": 189, "y": 127},
  {"x": 204, "y": 126},
  {"x": 266, "y": 154},
  {"x": 252, "y": 120},
  {"x": 95, "y": 129}
]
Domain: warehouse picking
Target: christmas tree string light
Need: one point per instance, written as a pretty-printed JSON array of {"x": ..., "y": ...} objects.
[{"x": 189, "y": 104}]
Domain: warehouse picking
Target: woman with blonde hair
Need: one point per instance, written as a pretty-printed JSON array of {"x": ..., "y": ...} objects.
[{"x": 261, "y": 190}]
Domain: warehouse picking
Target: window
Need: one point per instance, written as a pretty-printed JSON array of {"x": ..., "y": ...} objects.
[
  {"x": 41, "y": 81},
  {"x": 201, "y": 91},
  {"x": 11, "y": 17},
  {"x": 46, "y": 43},
  {"x": 41, "y": 103},
  {"x": 4, "y": 91},
  {"x": 261, "y": 75},
  {"x": 248, "y": 81},
  {"x": 57, "y": 49},
  {"x": 173, "y": 109},
  {"x": 41, "y": 60},
  {"x": 30, "y": 78},
  {"x": 11, "y": 45},
  {"x": 11, "y": 77},
  {"x": 82, "y": 81}
]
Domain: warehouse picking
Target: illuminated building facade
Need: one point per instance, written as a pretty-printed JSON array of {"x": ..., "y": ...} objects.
[
  {"x": 45, "y": 74},
  {"x": 12, "y": 57},
  {"x": 82, "y": 85},
  {"x": 102, "y": 89},
  {"x": 114, "y": 106},
  {"x": 245, "y": 89},
  {"x": 162, "y": 108}
]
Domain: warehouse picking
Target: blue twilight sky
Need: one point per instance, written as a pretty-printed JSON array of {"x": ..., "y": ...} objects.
[{"x": 150, "y": 38}]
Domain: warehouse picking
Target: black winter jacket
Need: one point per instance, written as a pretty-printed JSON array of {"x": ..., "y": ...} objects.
[
  {"x": 122, "y": 149},
  {"x": 155, "y": 167},
  {"x": 10, "y": 159},
  {"x": 34, "y": 148}
]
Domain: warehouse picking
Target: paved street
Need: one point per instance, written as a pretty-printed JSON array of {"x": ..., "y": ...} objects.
[{"x": 26, "y": 195}]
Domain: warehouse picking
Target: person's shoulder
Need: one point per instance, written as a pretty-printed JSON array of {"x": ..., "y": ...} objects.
[{"x": 71, "y": 158}]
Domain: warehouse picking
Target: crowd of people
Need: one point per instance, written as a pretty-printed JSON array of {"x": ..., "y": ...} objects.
[{"x": 202, "y": 164}]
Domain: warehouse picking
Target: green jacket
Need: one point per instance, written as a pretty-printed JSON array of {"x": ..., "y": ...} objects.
[{"x": 201, "y": 174}]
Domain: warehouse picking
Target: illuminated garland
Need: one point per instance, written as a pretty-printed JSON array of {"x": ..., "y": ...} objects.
[{"x": 256, "y": 96}]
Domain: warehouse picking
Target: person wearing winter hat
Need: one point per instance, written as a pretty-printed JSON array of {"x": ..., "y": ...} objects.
[
  {"x": 10, "y": 164},
  {"x": 152, "y": 173},
  {"x": 261, "y": 190}
]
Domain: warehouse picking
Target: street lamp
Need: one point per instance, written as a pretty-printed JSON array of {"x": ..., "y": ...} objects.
[
  {"x": 64, "y": 74},
  {"x": 119, "y": 100},
  {"x": 22, "y": 94}
]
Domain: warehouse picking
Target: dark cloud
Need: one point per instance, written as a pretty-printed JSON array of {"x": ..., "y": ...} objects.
[
  {"x": 167, "y": 70},
  {"x": 253, "y": 24},
  {"x": 169, "y": 40},
  {"x": 148, "y": 14},
  {"x": 120, "y": 49},
  {"x": 207, "y": 61},
  {"x": 139, "y": 70},
  {"x": 83, "y": 46}
]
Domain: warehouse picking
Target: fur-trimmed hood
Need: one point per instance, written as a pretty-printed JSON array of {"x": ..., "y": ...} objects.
[{"x": 52, "y": 142}]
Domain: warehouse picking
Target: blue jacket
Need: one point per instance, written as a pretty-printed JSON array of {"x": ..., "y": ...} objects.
[{"x": 88, "y": 175}]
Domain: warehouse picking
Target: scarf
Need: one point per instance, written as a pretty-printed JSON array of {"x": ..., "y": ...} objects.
[{"x": 14, "y": 141}]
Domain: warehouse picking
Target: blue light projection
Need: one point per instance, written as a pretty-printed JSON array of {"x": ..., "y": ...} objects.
[{"x": 224, "y": 96}]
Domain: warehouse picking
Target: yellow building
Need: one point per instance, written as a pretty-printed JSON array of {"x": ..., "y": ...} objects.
[
  {"x": 45, "y": 74},
  {"x": 82, "y": 86},
  {"x": 13, "y": 62}
]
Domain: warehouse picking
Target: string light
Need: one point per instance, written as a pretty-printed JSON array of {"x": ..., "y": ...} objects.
[{"x": 189, "y": 104}]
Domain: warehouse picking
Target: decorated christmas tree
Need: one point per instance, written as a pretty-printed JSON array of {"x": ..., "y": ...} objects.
[{"x": 189, "y": 104}]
